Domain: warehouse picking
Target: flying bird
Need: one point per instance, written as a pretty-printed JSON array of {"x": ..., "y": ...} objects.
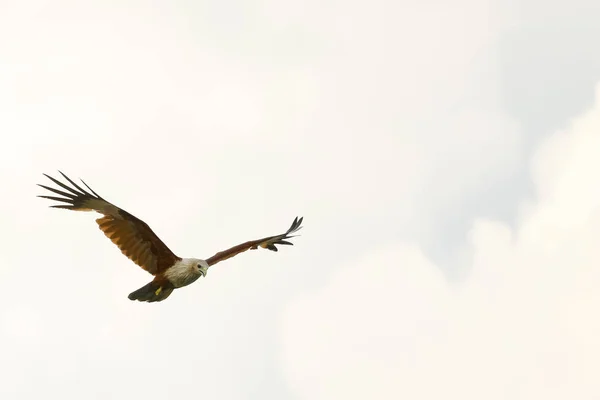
[{"x": 140, "y": 244}]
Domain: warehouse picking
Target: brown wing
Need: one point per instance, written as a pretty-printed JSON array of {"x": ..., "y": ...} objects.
[
  {"x": 265, "y": 243},
  {"x": 133, "y": 236}
]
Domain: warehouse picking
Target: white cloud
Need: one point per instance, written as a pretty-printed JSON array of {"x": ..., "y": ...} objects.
[
  {"x": 523, "y": 324},
  {"x": 216, "y": 127}
]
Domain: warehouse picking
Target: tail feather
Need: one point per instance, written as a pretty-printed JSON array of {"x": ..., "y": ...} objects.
[{"x": 151, "y": 292}]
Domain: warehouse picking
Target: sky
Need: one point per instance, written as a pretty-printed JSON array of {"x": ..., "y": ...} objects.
[{"x": 443, "y": 155}]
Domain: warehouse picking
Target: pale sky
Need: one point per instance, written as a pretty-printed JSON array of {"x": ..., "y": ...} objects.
[{"x": 445, "y": 157}]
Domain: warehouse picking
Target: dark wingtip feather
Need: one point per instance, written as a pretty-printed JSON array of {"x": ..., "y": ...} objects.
[
  {"x": 74, "y": 184},
  {"x": 74, "y": 197},
  {"x": 296, "y": 225},
  {"x": 91, "y": 190},
  {"x": 272, "y": 247},
  {"x": 55, "y": 198},
  {"x": 71, "y": 196},
  {"x": 280, "y": 239}
]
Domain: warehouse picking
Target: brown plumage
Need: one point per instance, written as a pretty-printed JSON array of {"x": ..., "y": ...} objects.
[
  {"x": 140, "y": 244},
  {"x": 266, "y": 243}
]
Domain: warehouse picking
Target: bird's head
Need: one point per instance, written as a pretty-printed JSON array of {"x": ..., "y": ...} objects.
[{"x": 201, "y": 266}]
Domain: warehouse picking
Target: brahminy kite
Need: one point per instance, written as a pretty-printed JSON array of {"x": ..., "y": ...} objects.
[{"x": 140, "y": 244}]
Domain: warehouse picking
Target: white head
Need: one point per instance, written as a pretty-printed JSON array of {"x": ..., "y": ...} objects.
[
  {"x": 200, "y": 266},
  {"x": 186, "y": 271}
]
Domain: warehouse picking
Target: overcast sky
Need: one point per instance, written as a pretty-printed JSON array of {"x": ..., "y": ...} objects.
[{"x": 445, "y": 157}]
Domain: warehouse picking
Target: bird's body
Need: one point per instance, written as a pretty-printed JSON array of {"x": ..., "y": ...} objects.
[
  {"x": 184, "y": 272},
  {"x": 139, "y": 243}
]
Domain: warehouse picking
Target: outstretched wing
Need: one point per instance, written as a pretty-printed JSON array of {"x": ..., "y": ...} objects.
[
  {"x": 265, "y": 243},
  {"x": 133, "y": 236}
]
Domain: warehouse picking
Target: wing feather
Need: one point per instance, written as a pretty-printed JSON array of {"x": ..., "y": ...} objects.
[
  {"x": 268, "y": 243},
  {"x": 130, "y": 234}
]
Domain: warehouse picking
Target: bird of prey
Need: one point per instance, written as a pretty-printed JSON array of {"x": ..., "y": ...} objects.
[{"x": 140, "y": 244}]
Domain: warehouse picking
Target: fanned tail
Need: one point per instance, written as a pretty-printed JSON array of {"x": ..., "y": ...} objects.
[{"x": 151, "y": 292}]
